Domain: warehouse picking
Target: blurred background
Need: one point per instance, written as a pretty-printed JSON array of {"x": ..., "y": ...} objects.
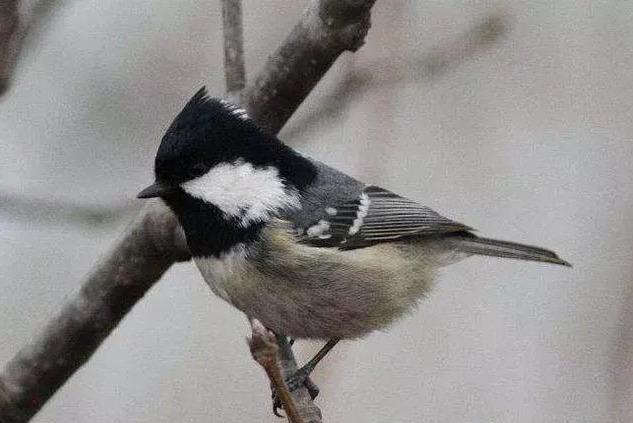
[{"x": 512, "y": 117}]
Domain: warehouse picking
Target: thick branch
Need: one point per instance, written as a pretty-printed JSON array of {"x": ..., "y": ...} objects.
[
  {"x": 327, "y": 29},
  {"x": 234, "y": 72},
  {"x": 150, "y": 245},
  {"x": 154, "y": 241}
]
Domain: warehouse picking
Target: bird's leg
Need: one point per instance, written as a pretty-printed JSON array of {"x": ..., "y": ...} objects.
[
  {"x": 312, "y": 387},
  {"x": 302, "y": 376},
  {"x": 297, "y": 379}
]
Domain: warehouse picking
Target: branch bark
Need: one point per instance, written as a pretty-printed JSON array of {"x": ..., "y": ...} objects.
[
  {"x": 234, "y": 72},
  {"x": 327, "y": 29},
  {"x": 264, "y": 349},
  {"x": 146, "y": 250},
  {"x": 304, "y": 403},
  {"x": 154, "y": 241}
]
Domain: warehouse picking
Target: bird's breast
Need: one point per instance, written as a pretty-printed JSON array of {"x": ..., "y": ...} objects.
[
  {"x": 310, "y": 292},
  {"x": 224, "y": 272}
]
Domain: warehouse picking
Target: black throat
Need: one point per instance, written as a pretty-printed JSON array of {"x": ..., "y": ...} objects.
[{"x": 209, "y": 232}]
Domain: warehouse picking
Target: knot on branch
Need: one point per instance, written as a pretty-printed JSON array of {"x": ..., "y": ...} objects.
[{"x": 348, "y": 21}]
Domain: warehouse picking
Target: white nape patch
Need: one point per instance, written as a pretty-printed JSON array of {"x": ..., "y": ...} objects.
[
  {"x": 219, "y": 271},
  {"x": 363, "y": 209},
  {"x": 319, "y": 229},
  {"x": 331, "y": 211},
  {"x": 240, "y": 190},
  {"x": 234, "y": 110}
]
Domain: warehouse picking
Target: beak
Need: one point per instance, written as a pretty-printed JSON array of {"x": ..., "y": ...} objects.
[{"x": 154, "y": 190}]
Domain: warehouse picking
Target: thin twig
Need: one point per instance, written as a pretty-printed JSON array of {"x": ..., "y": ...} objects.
[
  {"x": 265, "y": 351},
  {"x": 234, "y": 72},
  {"x": 10, "y": 25},
  {"x": 153, "y": 242},
  {"x": 305, "y": 405},
  {"x": 17, "y": 26}
]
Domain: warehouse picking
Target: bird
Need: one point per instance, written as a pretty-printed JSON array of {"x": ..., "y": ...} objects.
[{"x": 307, "y": 250}]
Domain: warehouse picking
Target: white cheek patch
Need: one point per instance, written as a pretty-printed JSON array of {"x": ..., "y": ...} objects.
[{"x": 242, "y": 191}]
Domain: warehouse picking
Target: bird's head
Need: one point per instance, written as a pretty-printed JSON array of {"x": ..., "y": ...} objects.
[{"x": 214, "y": 154}]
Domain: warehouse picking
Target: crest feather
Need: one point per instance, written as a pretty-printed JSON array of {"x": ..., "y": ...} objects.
[{"x": 202, "y": 110}]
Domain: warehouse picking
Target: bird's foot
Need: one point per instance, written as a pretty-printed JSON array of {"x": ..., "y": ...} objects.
[{"x": 300, "y": 378}]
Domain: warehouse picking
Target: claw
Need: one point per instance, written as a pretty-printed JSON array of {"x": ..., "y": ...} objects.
[
  {"x": 312, "y": 388},
  {"x": 277, "y": 407},
  {"x": 276, "y": 402},
  {"x": 294, "y": 382},
  {"x": 301, "y": 377}
]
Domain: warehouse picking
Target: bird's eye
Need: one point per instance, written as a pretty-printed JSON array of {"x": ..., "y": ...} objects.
[{"x": 198, "y": 169}]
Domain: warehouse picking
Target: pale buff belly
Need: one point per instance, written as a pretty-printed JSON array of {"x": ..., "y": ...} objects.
[{"x": 308, "y": 292}]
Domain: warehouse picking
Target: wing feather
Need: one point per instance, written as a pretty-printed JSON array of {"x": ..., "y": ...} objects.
[{"x": 378, "y": 215}]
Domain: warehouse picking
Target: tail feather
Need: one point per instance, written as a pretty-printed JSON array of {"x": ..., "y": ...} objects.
[{"x": 496, "y": 248}]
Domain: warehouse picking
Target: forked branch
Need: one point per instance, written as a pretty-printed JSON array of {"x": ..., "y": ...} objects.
[{"x": 154, "y": 241}]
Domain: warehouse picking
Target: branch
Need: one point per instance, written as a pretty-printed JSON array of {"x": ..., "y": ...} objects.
[
  {"x": 234, "y": 72},
  {"x": 146, "y": 250},
  {"x": 264, "y": 349},
  {"x": 327, "y": 29},
  {"x": 15, "y": 26},
  {"x": 9, "y": 40},
  {"x": 305, "y": 405},
  {"x": 154, "y": 241}
]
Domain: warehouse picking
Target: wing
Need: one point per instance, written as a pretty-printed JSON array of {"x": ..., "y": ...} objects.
[{"x": 376, "y": 216}]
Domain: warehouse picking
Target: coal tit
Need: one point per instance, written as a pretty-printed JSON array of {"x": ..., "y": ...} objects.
[{"x": 309, "y": 251}]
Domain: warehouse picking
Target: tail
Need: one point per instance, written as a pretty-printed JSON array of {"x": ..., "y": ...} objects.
[{"x": 471, "y": 244}]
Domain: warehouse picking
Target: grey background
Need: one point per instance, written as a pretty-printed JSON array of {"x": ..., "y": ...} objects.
[{"x": 527, "y": 139}]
